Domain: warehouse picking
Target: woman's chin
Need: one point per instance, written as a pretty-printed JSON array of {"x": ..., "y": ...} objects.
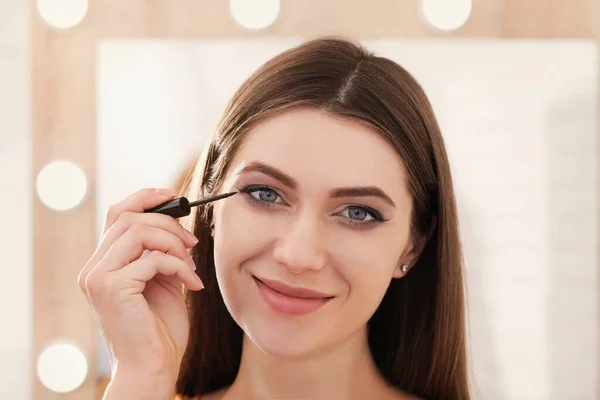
[
  {"x": 297, "y": 344},
  {"x": 291, "y": 351}
]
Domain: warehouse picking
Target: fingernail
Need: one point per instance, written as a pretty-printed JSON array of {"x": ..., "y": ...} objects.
[
  {"x": 191, "y": 262},
  {"x": 166, "y": 192},
  {"x": 201, "y": 283},
  {"x": 190, "y": 236}
]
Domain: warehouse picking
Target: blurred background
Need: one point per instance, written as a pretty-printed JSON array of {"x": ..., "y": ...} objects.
[{"x": 101, "y": 98}]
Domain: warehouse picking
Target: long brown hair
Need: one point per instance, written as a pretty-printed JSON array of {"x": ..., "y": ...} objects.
[{"x": 417, "y": 334}]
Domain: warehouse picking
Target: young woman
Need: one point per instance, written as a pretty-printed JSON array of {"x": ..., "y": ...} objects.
[{"x": 335, "y": 272}]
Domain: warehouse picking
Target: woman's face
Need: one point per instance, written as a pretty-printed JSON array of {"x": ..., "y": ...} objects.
[{"x": 325, "y": 209}]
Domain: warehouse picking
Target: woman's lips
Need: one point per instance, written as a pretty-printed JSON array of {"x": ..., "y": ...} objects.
[{"x": 290, "y": 300}]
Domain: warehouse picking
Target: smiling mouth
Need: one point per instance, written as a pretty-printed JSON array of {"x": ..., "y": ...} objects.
[
  {"x": 289, "y": 300},
  {"x": 289, "y": 291}
]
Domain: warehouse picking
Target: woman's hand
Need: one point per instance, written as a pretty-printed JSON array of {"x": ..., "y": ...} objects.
[{"x": 133, "y": 282}]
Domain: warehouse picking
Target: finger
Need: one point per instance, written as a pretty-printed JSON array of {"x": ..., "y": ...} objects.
[
  {"x": 126, "y": 220},
  {"x": 130, "y": 246},
  {"x": 156, "y": 262},
  {"x": 137, "y": 202},
  {"x": 123, "y": 223},
  {"x": 102, "y": 285}
]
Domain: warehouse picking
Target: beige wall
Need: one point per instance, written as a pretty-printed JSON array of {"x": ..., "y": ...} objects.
[{"x": 15, "y": 200}]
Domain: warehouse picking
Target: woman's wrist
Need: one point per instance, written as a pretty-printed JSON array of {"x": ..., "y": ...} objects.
[{"x": 134, "y": 385}]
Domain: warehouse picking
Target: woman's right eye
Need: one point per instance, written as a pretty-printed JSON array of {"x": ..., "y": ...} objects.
[
  {"x": 266, "y": 195},
  {"x": 263, "y": 195}
]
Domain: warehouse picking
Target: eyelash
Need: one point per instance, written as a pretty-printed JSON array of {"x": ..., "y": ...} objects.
[{"x": 377, "y": 218}]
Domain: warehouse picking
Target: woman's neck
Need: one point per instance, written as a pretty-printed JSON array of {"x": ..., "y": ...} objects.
[{"x": 347, "y": 372}]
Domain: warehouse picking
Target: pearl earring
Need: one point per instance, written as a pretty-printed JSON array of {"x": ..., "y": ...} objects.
[{"x": 405, "y": 268}]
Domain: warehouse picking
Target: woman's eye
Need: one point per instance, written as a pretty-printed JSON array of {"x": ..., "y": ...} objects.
[
  {"x": 266, "y": 195},
  {"x": 358, "y": 214},
  {"x": 263, "y": 195}
]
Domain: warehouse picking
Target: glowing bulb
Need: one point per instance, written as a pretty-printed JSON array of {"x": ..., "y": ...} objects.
[
  {"x": 254, "y": 14},
  {"x": 61, "y": 185},
  {"x": 62, "y": 367},
  {"x": 62, "y": 13},
  {"x": 446, "y": 15}
]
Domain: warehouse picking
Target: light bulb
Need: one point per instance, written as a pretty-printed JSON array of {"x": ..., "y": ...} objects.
[
  {"x": 61, "y": 185},
  {"x": 62, "y": 367},
  {"x": 62, "y": 13},
  {"x": 254, "y": 14},
  {"x": 446, "y": 15}
]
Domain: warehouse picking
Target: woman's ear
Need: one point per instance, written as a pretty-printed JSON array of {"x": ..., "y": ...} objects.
[
  {"x": 413, "y": 251},
  {"x": 401, "y": 270}
]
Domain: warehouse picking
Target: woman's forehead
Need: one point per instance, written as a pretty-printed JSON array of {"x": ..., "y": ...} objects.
[{"x": 310, "y": 144}]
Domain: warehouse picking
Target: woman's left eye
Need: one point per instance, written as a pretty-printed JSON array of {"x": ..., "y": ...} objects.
[{"x": 361, "y": 214}]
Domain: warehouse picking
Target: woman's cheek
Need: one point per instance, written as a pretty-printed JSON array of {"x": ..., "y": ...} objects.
[
  {"x": 243, "y": 231},
  {"x": 366, "y": 265}
]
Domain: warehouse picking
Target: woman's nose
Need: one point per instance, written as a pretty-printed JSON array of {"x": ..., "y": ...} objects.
[{"x": 301, "y": 247}]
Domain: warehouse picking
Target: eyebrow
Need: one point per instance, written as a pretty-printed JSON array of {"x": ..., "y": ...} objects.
[
  {"x": 364, "y": 191},
  {"x": 360, "y": 191},
  {"x": 272, "y": 172}
]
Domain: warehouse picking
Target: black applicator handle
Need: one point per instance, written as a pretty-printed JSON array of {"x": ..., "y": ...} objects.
[{"x": 181, "y": 207}]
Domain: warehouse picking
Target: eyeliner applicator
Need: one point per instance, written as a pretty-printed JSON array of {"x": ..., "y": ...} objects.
[{"x": 182, "y": 207}]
